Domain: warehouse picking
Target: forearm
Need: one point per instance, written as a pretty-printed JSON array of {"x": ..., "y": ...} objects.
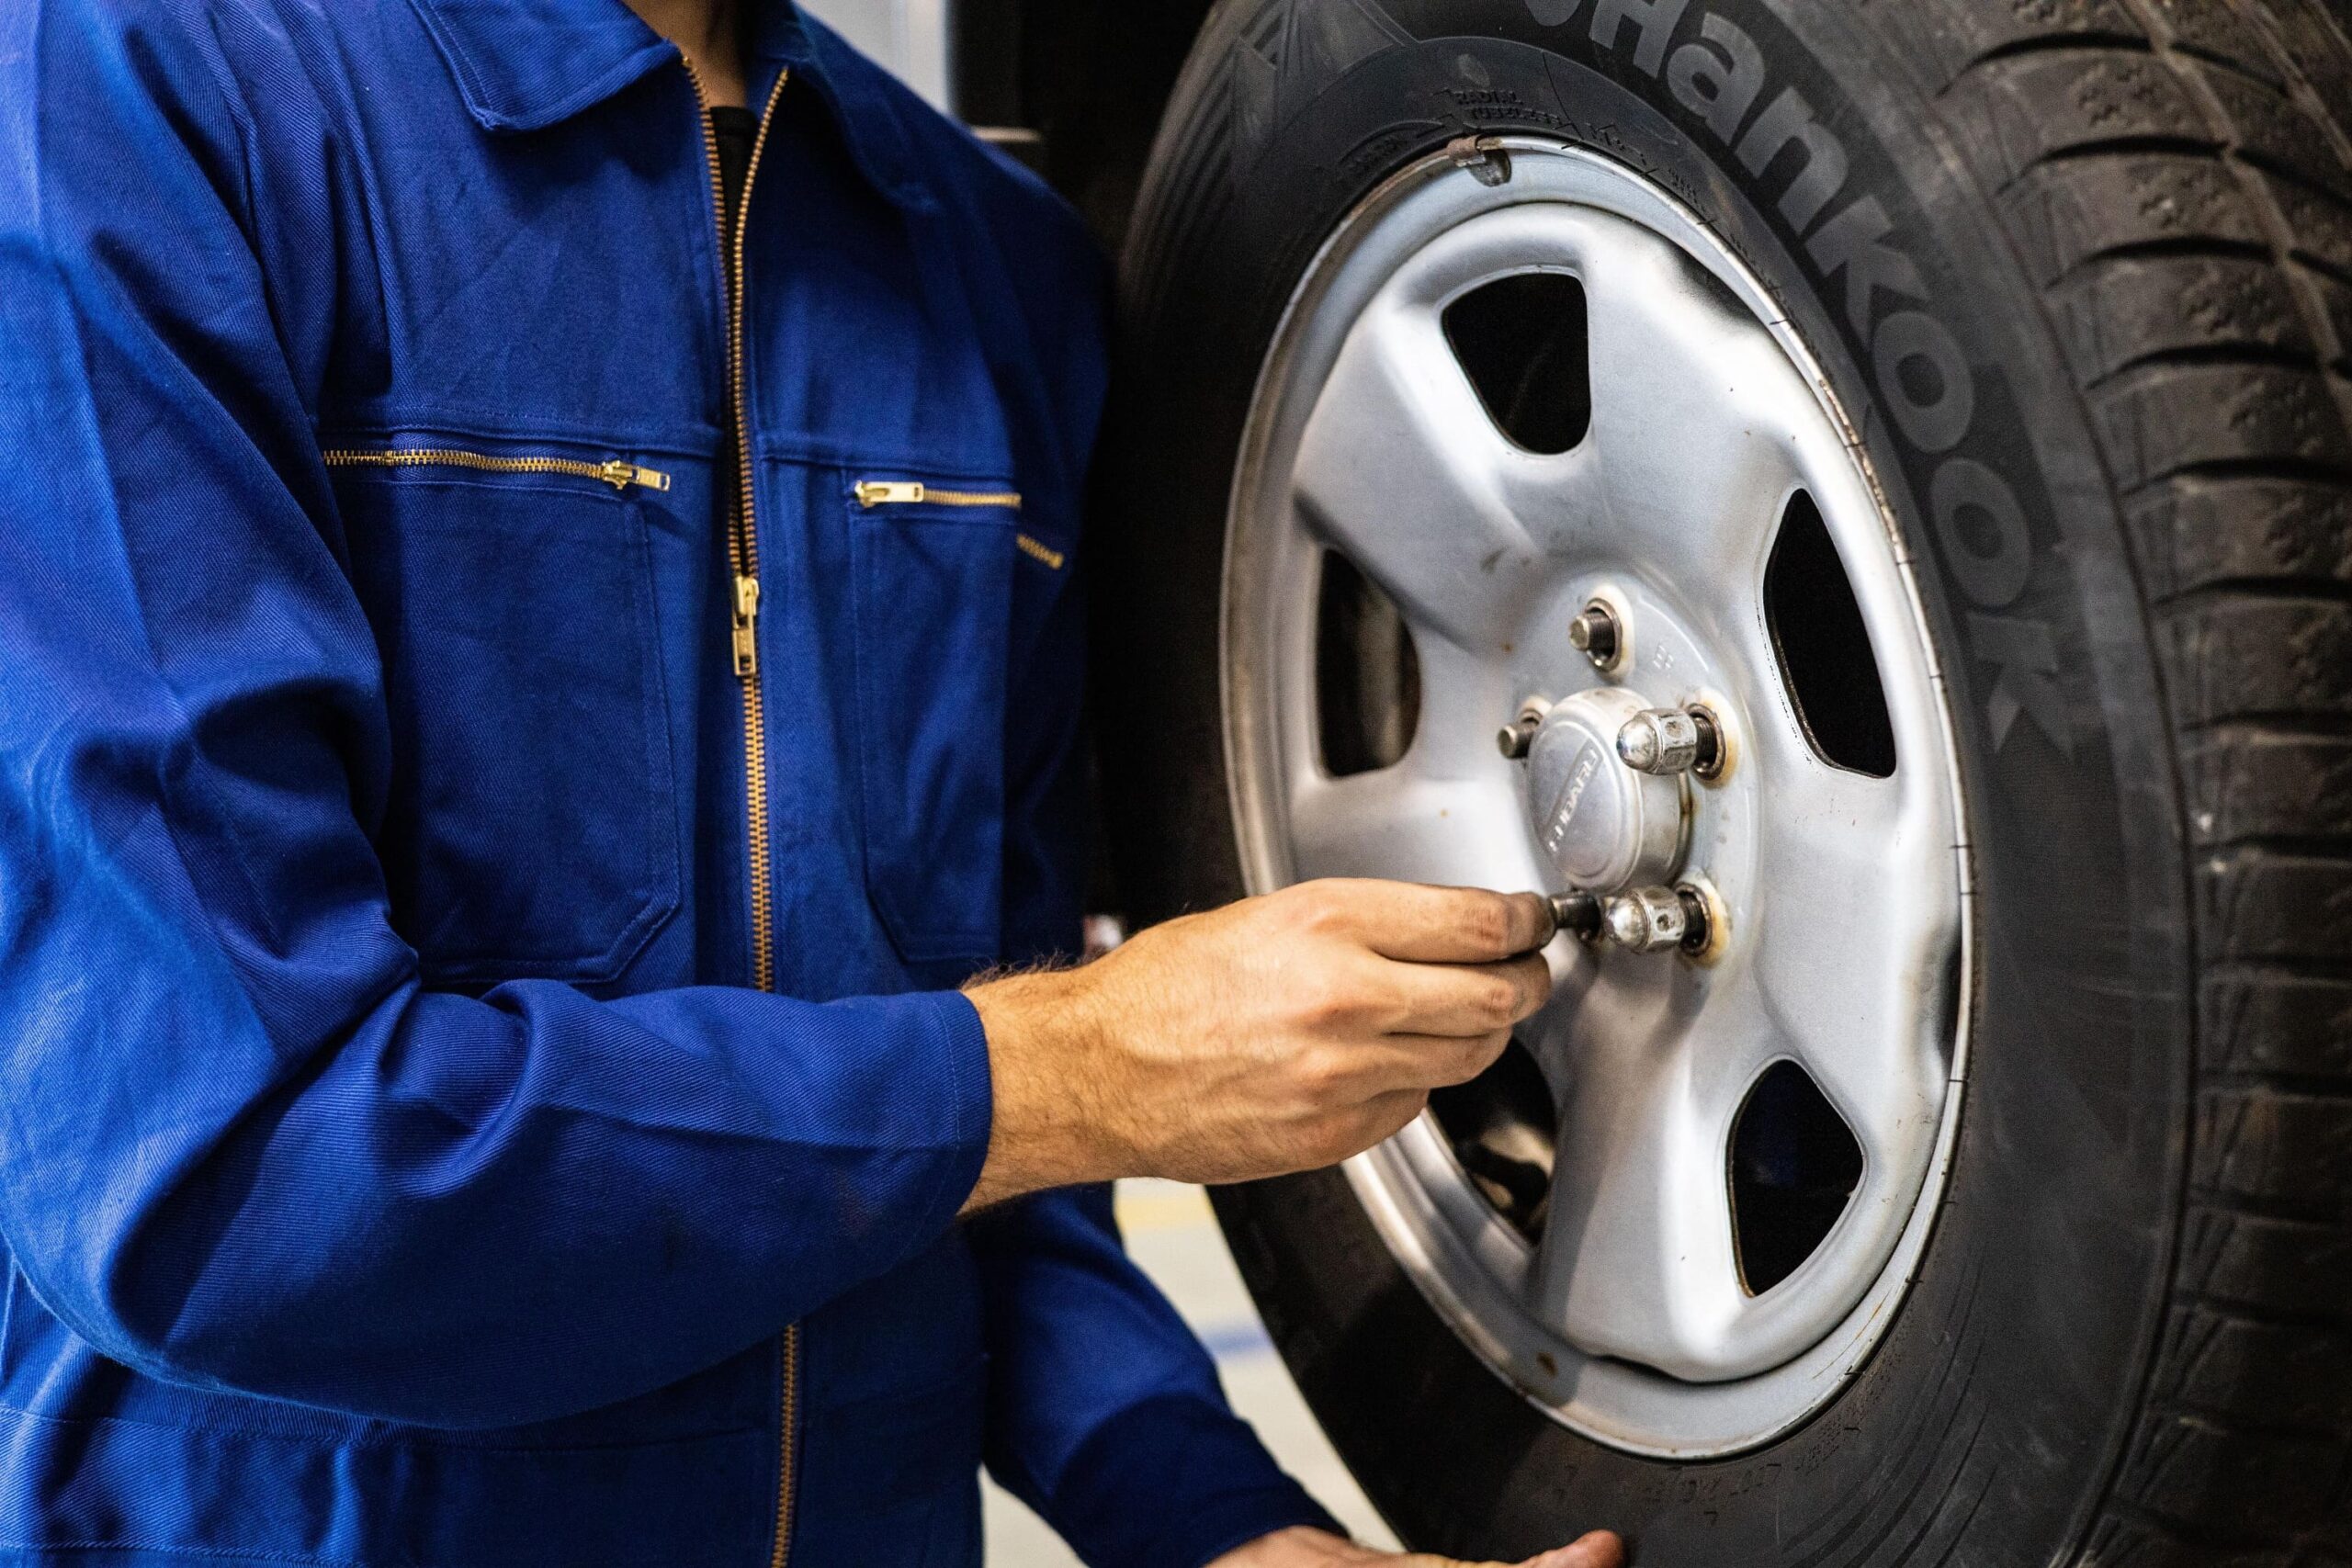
[{"x": 1050, "y": 1127}]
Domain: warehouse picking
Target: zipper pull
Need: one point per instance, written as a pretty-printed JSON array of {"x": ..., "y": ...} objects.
[
  {"x": 747, "y": 627},
  {"x": 885, "y": 492},
  {"x": 620, "y": 476}
]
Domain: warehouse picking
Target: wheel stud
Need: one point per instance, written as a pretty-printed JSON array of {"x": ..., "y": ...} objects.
[
  {"x": 1698, "y": 920},
  {"x": 1672, "y": 741},
  {"x": 1513, "y": 739},
  {"x": 1596, "y": 634}
]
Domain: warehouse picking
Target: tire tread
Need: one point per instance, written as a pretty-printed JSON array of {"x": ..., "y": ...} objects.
[{"x": 2185, "y": 199}]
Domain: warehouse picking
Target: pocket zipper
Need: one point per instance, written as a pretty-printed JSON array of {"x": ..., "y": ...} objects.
[
  {"x": 871, "y": 493},
  {"x": 614, "y": 472}
]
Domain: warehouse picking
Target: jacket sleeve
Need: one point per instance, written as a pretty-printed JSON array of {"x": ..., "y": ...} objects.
[
  {"x": 241, "y": 1147},
  {"x": 1104, "y": 1412}
]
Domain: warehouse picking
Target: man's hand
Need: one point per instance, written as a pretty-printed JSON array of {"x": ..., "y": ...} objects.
[
  {"x": 1305, "y": 1548},
  {"x": 1277, "y": 1035}
]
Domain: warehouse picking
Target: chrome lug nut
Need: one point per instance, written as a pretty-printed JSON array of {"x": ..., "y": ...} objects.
[
  {"x": 1596, "y": 634},
  {"x": 1653, "y": 919},
  {"x": 1659, "y": 740},
  {"x": 1647, "y": 919},
  {"x": 1671, "y": 741}
]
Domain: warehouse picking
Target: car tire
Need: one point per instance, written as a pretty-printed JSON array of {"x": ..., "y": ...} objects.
[{"x": 2122, "y": 228}]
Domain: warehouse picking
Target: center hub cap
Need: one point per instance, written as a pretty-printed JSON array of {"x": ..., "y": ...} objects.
[{"x": 1605, "y": 826}]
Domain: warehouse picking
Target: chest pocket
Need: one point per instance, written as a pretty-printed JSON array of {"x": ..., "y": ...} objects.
[
  {"x": 531, "y": 825},
  {"x": 934, "y": 567}
]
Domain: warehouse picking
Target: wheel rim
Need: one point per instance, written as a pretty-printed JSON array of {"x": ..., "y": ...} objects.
[{"x": 1619, "y": 1290}]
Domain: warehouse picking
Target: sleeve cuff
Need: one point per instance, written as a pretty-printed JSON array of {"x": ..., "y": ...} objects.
[
  {"x": 1175, "y": 1483},
  {"x": 964, "y": 1046}
]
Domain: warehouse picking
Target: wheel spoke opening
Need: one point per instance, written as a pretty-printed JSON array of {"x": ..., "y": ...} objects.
[
  {"x": 1522, "y": 341},
  {"x": 1367, "y": 673},
  {"x": 1503, "y": 1129},
  {"x": 1794, "y": 1166},
  {"x": 1823, "y": 647}
]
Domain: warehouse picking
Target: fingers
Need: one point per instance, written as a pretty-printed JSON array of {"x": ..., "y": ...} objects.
[
  {"x": 1376, "y": 1121},
  {"x": 1415, "y": 1064},
  {"x": 1421, "y": 924},
  {"x": 1388, "y": 1114},
  {"x": 1465, "y": 999},
  {"x": 1440, "y": 1061},
  {"x": 1599, "y": 1549}
]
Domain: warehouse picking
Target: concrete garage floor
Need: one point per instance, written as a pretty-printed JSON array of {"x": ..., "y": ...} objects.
[{"x": 1171, "y": 1234}]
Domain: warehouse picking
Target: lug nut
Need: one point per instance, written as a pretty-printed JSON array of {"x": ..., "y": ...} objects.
[
  {"x": 1647, "y": 919},
  {"x": 1671, "y": 741},
  {"x": 1596, "y": 634}
]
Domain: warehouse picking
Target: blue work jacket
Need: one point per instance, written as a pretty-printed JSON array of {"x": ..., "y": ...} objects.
[{"x": 482, "y": 1083}]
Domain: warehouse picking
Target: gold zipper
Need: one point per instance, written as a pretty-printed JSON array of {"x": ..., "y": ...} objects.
[
  {"x": 743, "y": 536},
  {"x": 743, "y": 563},
  {"x": 789, "y": 1399},
  {"x": 871, "y": 493},
  {"x": 615, "y": 473}
]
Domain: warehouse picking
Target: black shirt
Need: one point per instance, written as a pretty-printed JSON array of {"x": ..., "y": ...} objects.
[{"x": 735, "y": 129}]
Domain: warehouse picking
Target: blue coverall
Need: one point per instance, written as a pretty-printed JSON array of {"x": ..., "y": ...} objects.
[{"x": 481, "y": 1084}]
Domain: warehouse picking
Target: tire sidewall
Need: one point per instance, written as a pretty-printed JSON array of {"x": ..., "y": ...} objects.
[{"x": 1993, "y": 1406}]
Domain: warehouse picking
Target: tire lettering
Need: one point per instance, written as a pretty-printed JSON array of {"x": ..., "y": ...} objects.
[
  {"x": 1849, "y": 243},
  {"x": 1993, "y": 579},
  {"x": 1721, "y": 86},
  {"x": 1654, "y": 18},
  {"x": 1790, "y": 122},
  {"x": 1937, "y": 425},
  {"x": 2027, "y": 659}
]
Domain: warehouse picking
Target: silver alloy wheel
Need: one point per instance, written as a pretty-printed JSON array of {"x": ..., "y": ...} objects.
[{"x": 1839, "y": 898}]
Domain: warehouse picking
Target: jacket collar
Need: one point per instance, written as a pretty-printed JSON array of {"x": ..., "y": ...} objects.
[{"x": 528, "y": 64}]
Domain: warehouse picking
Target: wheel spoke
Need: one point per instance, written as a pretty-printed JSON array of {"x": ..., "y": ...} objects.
[
  {"x": 1404, "y": 824},
  {"x": 1853, "y": 941},
  {"x": 1652, "y": 1065},
  {"x": 1636, "y": 1257},
  {"x": 1888, "y": 1095},
  {"x": 1696, "y": 421},
  {"x": 1464, "y": 700},
  {"x": 1401, "y": 471}
]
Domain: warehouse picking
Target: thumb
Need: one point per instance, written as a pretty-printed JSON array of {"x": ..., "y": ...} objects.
[{"x": 1599, "y": 1548}]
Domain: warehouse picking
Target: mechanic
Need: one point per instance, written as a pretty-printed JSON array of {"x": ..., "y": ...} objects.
[{"x": 542, "y": 656}]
